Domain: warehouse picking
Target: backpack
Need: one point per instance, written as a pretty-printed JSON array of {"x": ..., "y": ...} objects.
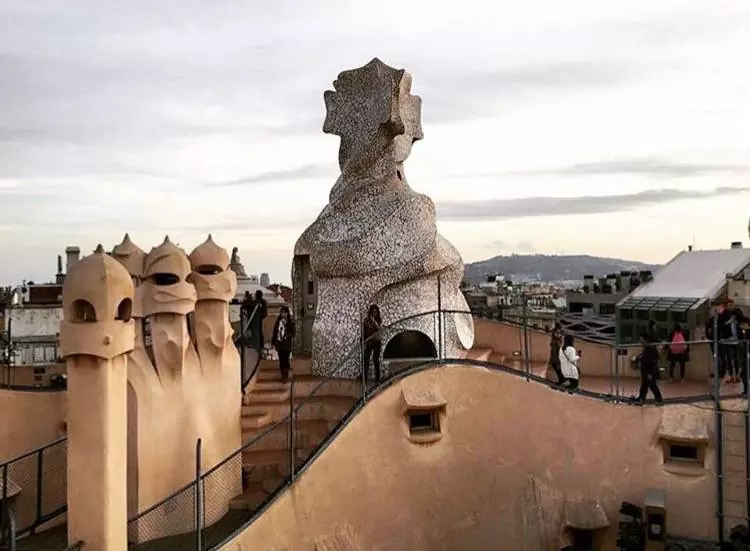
[{"x": 678, "y": 345}]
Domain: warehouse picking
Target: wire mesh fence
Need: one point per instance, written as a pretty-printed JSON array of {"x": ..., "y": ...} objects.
[
  {"x": 174, "y": 516},
  {"x": 228, "y": 495},
  {"x": 33, "y": 487}
]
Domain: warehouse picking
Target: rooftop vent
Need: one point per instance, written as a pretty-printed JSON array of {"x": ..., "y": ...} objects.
[{"x": 736, "y": 245}]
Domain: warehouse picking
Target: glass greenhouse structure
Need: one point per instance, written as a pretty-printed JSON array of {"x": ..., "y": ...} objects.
[{"x": 634, "y": 314}]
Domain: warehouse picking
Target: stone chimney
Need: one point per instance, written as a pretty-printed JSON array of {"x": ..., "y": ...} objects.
[{"x": 72, "y": 255}]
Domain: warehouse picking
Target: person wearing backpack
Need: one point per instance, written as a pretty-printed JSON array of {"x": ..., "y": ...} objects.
[{"x": 678, "y": 351}]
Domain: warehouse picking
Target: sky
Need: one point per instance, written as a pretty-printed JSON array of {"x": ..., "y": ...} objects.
[{"x": 616, "y": 129}]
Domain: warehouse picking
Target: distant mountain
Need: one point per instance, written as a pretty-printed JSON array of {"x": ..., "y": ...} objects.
[{"x": 549, "y": 267}]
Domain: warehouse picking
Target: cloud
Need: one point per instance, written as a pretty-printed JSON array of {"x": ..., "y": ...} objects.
[
  {"x": 308, "y": 171},
  {"x": 498, "y": 209},
  {"x": 479, "y": 92},
  {"x": 649, "y": 167}
]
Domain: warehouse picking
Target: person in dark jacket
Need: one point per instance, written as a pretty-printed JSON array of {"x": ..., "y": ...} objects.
[
  {"x": 729, "y": 326},
  {"x": 555, "y": 344},
  {"x": 649, "y": 365},
  {"x": 370, "y": 330},
  {"x": 261, "y": 314},
  {"x": 744, "y": 355},
  {"x": 283, "y": 335}
]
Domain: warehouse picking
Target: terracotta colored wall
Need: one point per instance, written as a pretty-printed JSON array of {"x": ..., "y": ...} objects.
[
  {"x": 23, "y": 375},
  {"x": 29, "y": 420},
  {"x": 597, "y": 359},
  {"x": 375, "y": 489}
]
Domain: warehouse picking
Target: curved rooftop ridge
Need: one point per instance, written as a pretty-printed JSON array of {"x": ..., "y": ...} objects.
[{"x": 418, "y": 368}]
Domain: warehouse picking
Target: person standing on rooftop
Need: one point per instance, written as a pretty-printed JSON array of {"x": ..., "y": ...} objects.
[
  {"x": 569, "y": 360},
  {"x": 555, "y": 343},
  {"x": 678, "y": 352}
]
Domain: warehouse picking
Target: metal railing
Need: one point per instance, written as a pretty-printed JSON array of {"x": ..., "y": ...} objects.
[
  {"x": 33, "y": 489},
  {"x": 225, "y": 498},
  {"x": 241, "y": 341},
  {"x": 275, "y": 455}
]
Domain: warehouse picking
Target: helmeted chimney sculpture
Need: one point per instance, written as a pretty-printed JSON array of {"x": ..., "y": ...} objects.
[
  {"x": 184, "y": 382},
  {"x": 96, "y": 335},
  {"x": 376, "y": 241}
]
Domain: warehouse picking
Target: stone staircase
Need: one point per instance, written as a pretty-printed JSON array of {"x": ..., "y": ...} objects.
[
  {"x": 735, "y": 478},
  {"x": 266, "y": 463}
]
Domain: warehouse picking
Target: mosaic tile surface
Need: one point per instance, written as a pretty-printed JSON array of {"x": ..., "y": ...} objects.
[{"x": 376, "y": 241}]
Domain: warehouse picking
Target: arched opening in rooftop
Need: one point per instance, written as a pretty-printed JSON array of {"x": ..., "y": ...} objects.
[{"x": 409, "y": 344}]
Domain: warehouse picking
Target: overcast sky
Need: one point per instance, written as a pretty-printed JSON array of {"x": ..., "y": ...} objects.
[{"x": 610, "y": 128}]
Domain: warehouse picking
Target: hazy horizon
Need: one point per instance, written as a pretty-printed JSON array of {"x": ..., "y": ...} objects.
[{"x": 605, "y": 129}]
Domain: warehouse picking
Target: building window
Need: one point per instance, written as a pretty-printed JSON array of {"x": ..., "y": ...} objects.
[
  {"x": 683, "y": 453},
  {"x": 310, "y": 288},
  {"x": 422, "y": 422}
]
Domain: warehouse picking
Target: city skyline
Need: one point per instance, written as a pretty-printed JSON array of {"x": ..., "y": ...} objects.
[{"x": 616, "y": 131}]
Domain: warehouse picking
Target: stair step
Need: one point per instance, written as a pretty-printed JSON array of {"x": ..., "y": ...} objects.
[
  {"x": 278, "y": 438},
  {"x": 256, "y": 419},
  {"x": 268, "y": 396},
  {"x": 327, "y": 408},
  {"x": 272, "y": 458},
  {"x": 480, "y": 354},
  {"x": 248, "y": 500},
  {"x": 264, "y": 385},
  {"x": 308, "y": 434},
  {"x": 270, "y": 485},
  {"x": 269, "y": 375}
]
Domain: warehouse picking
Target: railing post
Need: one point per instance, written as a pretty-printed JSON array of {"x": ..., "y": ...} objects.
[
  {"x": 39, "y": 484},
  {"x": 524, "y": 328},
  {"x": 292, "y": 432},
  {"x": 5, "y": 498},
  {"x": 363, "y": 367},
  {"x": 11, "y": 531},
  {"x": 747, "y": 382},
  {"x": 198, "y": 498},
  {"x": 243, "y": 362},
  {"x": 719, "y": 434},
  {"x": 440, "y": 319}
]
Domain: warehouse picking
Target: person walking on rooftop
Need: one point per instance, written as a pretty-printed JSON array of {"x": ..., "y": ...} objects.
[
  {"x": 555, "y": 343},
  {"x": 678, "y": 352},
  {"x": 283, "y": 335},
  {"x": 649, "y": 365},
  {"x": 371, "y": 328},
  {"x": 569, "y": 360}
]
